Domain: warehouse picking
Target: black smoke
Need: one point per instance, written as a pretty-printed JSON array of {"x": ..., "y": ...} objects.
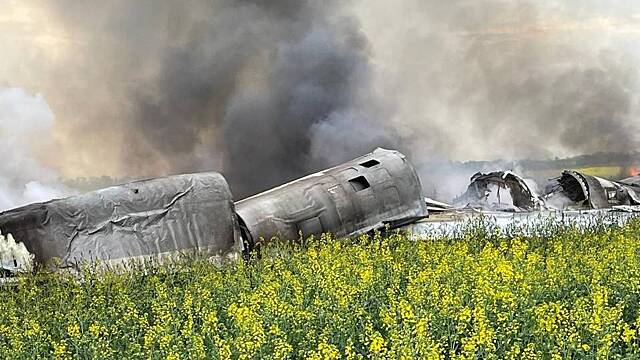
[{"x": 248, "y": 82}]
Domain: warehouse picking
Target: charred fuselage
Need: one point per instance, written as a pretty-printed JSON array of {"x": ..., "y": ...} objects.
[
  {"x": 516, "y": 194},
  {"x": 150, "y": 219},
  {"x": 195, "y": 214},
  {"x": 378, "y": 189},
  {"x": 578, "y": 190}
]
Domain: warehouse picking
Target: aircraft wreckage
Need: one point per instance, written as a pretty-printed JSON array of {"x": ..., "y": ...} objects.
[
  {"x": 501, "y": 191},
  {"x": 573, "y": 190},
  {"x": 164, "y": 218}
]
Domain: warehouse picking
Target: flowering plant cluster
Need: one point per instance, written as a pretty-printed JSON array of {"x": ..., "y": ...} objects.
[{"x": 569, "y": 293}]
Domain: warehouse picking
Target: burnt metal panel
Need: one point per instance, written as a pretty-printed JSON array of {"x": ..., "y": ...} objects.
[
  {"x": 155, "y": 218},
  {"x": 479, "y": 189},
  {"x": 353, "y": 198},
  {"x": 598, "y": 197},
  {"x": 592, "y": 192},
  {"x": 633, "y": 181},
  {"x": 634, "y": 195},
  {"x": 390, "y": 198},
  {"x": 570, "y": 189}
]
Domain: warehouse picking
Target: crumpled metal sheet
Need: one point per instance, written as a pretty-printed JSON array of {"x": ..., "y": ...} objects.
[
  {"x": 149, "y": 219},
  {"x": 593, "y": 192},
  {"x": 476, "y": 196}
]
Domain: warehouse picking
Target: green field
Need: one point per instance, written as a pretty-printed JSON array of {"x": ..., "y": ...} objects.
[
  {"x": 609, "y": 172},
  {"x": 567, "y": 294}
]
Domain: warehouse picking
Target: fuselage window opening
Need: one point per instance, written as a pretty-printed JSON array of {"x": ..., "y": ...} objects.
[
  {"x": 370, "y": 163},
  {"x": 359, "y": 183}
]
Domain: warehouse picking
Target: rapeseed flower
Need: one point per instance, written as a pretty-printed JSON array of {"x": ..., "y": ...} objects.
[{"x": 565, "y": 294}]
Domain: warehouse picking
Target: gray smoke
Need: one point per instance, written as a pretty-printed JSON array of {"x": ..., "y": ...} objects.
[
  {"x": 255, "y": 87},
  {"x": 500, "y": 79},
  {"x": 267, "y": 91}
]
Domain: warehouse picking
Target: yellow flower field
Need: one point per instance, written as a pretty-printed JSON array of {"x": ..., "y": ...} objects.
[{"x": 567, "y": 294}]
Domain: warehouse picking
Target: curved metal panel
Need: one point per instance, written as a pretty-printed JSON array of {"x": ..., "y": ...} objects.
[
  {"x": 593, "y": 192},
  {"x": 163, "y": 217},
  {"x": 521, "y": 197},
  {"x": 352, "y": 198}
]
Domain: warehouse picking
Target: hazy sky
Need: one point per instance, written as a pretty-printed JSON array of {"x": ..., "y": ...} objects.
[{"x": 457, "y": 79}]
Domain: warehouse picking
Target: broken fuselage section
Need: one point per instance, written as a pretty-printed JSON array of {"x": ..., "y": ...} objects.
[
  {"x": 146, "y": 220},
  {"x": 576, "y": 190},
  {"x": 573, "y": 190},
  {"x": 499, "y": 191},
  {"x": 194, "y": 214},
  {"x": 377, "y": 190}
]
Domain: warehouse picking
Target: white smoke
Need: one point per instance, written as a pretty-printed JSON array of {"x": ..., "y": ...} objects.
[{"x": 26, "y": 123}]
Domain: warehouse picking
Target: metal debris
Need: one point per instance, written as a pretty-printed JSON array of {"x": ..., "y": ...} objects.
[
  {"x": 505, "y": 191},
  {"x": 435, "y": 206},
  {"x": 164, "y": 218},
  {"x": 146, "y": 220},
  {"x": 576, "y": 190},
  {"x": 499, "y": 190},
  {"x": 632, "y": 181},
  {"x": 377, "y": 190}
]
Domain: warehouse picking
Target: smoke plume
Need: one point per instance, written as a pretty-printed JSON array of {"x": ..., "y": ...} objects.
[
  {"x": 257, "y": 89},
  {"x": 500, "y": 79},
  {"x": 25, "y": 121},
  {"x": 266, "y": 91}
]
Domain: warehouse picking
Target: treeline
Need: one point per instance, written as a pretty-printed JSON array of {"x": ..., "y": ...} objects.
[{"x": 597, "y": 159}]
